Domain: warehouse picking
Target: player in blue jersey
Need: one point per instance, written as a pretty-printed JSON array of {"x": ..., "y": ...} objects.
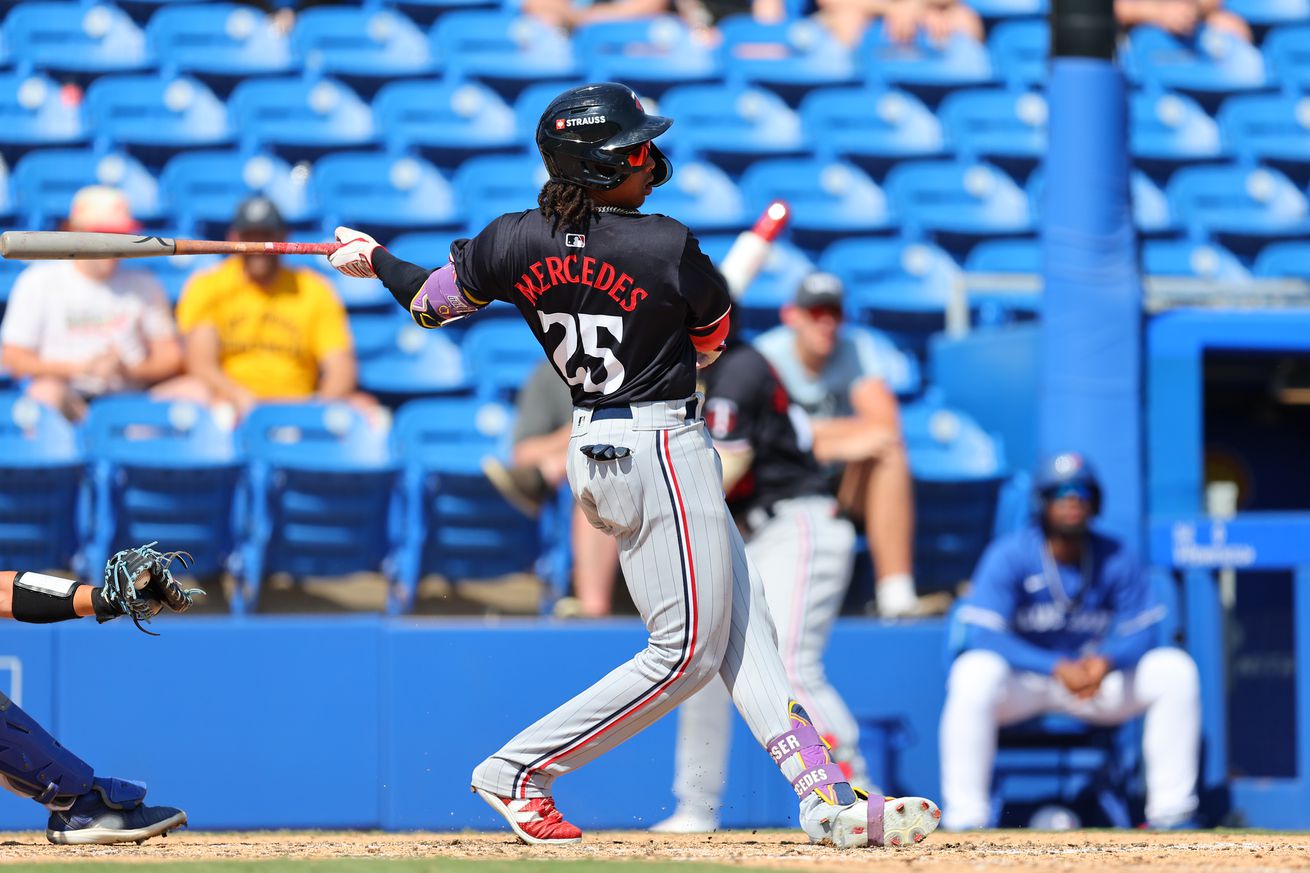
[{"x": 1063, "y": 619}]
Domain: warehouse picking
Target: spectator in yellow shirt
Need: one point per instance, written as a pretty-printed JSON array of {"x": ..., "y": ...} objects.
[{"x": 257, "y": 331}]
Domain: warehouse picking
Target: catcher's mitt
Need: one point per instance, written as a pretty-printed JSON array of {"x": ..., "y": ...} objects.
[{"x": 139, "y": 583}]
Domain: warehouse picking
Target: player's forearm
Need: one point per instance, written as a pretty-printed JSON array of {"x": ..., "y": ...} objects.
[
  {"x": 403, "y": 279},
  {"x": 1123, "y": 652},
  {"x": 38, "y": 600}
]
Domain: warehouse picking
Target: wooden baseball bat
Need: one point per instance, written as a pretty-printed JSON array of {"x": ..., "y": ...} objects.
[{"x": 50, "y": 245}]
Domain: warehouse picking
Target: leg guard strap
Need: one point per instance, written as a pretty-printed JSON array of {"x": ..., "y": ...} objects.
[
  {"x": 33, "y": 764},
  {"x": 817, "y": 771}
]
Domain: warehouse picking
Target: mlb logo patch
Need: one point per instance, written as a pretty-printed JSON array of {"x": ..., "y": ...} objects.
[
  {"x": 559, "y": 124},
  {"x": 575, "y": 240}
]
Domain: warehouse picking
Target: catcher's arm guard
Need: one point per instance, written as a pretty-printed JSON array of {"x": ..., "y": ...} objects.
[{"x": 139, "y": 583}]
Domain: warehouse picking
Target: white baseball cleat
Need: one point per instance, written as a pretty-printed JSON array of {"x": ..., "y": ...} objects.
[
  {"x": 898, "y": 822},
  {"x": 687, "y": 821}
]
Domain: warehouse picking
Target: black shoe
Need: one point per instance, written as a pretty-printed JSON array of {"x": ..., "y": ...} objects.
[{"x": 106, "y": 814}]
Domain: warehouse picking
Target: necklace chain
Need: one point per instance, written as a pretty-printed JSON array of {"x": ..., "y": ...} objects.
[{"x": 617, "y": 210}]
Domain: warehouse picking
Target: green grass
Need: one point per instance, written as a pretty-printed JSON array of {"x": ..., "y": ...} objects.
[{"x": 382, "y": 865}]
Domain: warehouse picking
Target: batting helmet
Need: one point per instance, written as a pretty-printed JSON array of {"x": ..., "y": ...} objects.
[
  {"x": 585, "y": 136},
  {"x": 1066, "y": 469}
]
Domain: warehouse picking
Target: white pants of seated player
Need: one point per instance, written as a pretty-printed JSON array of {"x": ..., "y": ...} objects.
[
  {"x": 686, "y": 568},
  {"x": 804, "y": 556},
  {"x": 984, "y": 693}
]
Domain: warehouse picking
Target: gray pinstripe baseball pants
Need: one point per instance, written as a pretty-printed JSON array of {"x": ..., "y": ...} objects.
[{"x": 688, "y": 574}]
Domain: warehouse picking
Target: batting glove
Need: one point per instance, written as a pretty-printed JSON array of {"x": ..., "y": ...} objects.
[{"x": 355, "y": 257}]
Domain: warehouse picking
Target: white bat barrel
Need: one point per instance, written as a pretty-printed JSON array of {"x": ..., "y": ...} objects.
[{"x": 50, "y": 245}]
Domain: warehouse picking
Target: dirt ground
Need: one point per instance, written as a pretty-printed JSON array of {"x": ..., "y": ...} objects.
[{"x": 1122, "y": 852}]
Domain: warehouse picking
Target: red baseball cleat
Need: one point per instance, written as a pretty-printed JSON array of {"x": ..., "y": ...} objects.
[{"x": 534, "y": 819}]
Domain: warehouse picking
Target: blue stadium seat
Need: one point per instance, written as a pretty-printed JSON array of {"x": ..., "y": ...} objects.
[
  {"x": 9, "y": 271},
  {"x": 380, "y": 192},
  {"x": 1020, "y": 52},
  {"x": 40, "y": 478},
  {"x": 1209, "y": 65},
  {"x": 828, "y": 199},
  {"x": 455, "y": 522},
  {"x": 1242, "y": 207},
  {"x": 1170, "y": 130},
  {"x": 496, "y": 184},
  {"x": 45, "y": 182},
  {"x": 649, "y": 54},
  {"x": 991, "y": 10},
  {"x": 203, "y": 189},
  {"x": 1005, "y": 256},
  {"x": 730, "y": 126},
  {"x": 445, "y": 122},
  {"x": 1287, "y": 52},
  {"x": 872, "y": 127},
  {"x": 155, "y": 117},
  {"x": 701, "y": 196},
  {"x": 75, "y": 38},
  {"x": 1166, "y": 257},
  {"x": 1007, "y": 128},
  {"x": 34, "y": 114},
  {"x": 219, "y": 43},
  {"x": 502, "y": 49},
  {"x": 300, "y": 118},
  {"x": 959, "y": 203},
  {"x": 923, "y": 66},
  {"x": 1269, "y": 128},
  {"x": 375, "y": 333},
  {"x": 417, "y": 363},
  {"x": 1268, "y": 13},
  {"x": 160, "y": 472},
  {"x": 1284, "y": 260},
  {"x": 363, "y": 47},
  {"x": 500, "y": 354},
  {"x": 958, "y": 470},
  {"x": 319, "y": 491},
  {"x": 899, "y": 287},
  {"x": 791, "y": 58},
  {"x": 425, "y": 249},
  {"x": 356, "y": 295},
  {"x": 774, "y": 286}
]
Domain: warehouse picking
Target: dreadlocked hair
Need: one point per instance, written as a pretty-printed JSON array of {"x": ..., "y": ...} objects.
[{"x": 566, "y": 204}]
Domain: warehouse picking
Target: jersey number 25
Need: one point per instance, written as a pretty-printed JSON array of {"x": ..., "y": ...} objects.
[{"x": 588, "y": 328}]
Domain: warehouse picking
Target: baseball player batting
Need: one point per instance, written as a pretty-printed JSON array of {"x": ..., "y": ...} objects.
[
  {"x": 84, "y": 808},
  {"x": 626, "y": 305}
]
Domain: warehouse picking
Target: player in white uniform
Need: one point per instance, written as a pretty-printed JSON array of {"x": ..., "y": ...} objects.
[
  {"x": 623, "y": 303},
  {"x": 804, "y": 552}
]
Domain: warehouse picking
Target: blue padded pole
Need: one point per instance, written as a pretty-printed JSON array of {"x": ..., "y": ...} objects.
[{"x": 1089, "y": 388}]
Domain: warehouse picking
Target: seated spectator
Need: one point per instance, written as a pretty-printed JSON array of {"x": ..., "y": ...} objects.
[
  {"x": 1181, "y": 17},
  {"x": 833, "y": 375},
  {"x": 902, "y": 20},
  {"x": 76, "y": 330},
  {"x": 1063, "y": 619},
  {"x": 542, "y": 424},
  {"x": 259, "y": 331}
]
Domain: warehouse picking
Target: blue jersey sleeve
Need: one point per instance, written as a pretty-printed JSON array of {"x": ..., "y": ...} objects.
[
  {"x": 989, "y": 612},
  {"x": 1137, "y": 613}
]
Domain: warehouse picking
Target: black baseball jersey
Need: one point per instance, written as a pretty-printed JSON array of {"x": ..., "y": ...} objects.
[
  {"x": 612, "y": 307},
  {"x": 746, "y": 404}
]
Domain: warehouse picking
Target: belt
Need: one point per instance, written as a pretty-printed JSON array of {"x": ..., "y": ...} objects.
[{"x": 604, "y": 413}]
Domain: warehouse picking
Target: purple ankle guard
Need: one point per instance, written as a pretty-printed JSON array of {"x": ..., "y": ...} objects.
[
  {"x": 877, "y": 806},
  {"x": 820, "y": 772}
]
